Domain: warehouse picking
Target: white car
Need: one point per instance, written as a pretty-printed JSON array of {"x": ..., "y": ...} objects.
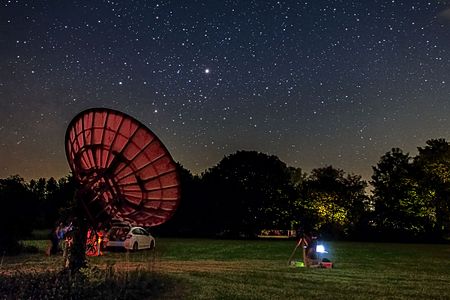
[{"x": 131, "y": 238}]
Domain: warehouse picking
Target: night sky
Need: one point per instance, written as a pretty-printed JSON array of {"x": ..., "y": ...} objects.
[{"x": 313, "y": 82}]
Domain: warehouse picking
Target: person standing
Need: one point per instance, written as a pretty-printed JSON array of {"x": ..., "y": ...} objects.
[{"x": 53, "y": 247}]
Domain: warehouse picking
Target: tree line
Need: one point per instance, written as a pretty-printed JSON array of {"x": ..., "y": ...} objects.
[{"x": 407, "y": 199}]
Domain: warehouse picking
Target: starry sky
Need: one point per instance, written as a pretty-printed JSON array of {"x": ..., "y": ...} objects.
[{"x": 314, "y": 82}]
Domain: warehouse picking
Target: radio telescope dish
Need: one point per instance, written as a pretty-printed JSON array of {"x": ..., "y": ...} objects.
[{"x": 124, "y": 168}]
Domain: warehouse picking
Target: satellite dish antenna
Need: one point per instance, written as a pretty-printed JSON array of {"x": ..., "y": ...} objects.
[
  {"x": 124, "y": 171},
  {"x": 127, "y": 170}
]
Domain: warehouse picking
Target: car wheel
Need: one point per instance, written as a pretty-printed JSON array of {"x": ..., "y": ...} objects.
[
  {"x": 152, "y": 245},
  {"x": 135, "y": 246}
]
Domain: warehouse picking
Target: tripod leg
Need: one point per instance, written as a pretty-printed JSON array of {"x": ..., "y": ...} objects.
[
  {"x": 293, "y": 252},
  {"x": 305, "y": 259}
]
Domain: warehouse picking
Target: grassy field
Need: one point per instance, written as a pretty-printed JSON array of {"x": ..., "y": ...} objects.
[{"x": 229, "y": 269}]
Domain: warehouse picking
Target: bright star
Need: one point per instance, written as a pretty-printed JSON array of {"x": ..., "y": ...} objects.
[{"x": 206, "y": 71}]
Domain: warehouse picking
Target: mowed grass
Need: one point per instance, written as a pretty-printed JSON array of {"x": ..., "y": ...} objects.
[{"x": 231, "y": 269}]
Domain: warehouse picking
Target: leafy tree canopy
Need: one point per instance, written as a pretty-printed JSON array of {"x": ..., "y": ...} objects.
[{"x": 252, "y": 191}]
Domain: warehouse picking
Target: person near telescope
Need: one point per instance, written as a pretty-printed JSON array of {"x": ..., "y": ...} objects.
[
  {"x": 308, "y": 242},
  {"x": 53, "y": 247}
]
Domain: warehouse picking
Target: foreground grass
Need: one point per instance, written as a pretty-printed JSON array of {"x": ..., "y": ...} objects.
[{"x": 228, "y": 269}]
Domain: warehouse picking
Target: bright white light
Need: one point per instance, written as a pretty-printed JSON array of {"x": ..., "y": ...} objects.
[
  {"x": 207, "y": 71},
  {"x": 320, "y": 249}
]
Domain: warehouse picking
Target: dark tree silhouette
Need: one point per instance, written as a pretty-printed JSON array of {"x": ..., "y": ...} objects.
[
  {"x": 400, "y": 212},
  {"x": 17, "y": 213},
  {"x": 53, "y": 197},
  {"x": 433, "y": 169},
  {"x": 248, "y": 191}
]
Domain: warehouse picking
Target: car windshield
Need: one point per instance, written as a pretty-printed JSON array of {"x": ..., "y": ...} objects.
[{"x": 118, "y": 232}]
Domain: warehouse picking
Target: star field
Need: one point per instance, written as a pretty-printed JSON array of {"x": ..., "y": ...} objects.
[{"x": 313, "y": 82}]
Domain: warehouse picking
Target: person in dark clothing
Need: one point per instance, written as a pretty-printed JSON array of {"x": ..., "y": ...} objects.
[
  {"x": 311, "y": 257},
  {"x": 54, "y": 241},
  {"x": 308, "y": 241}
]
